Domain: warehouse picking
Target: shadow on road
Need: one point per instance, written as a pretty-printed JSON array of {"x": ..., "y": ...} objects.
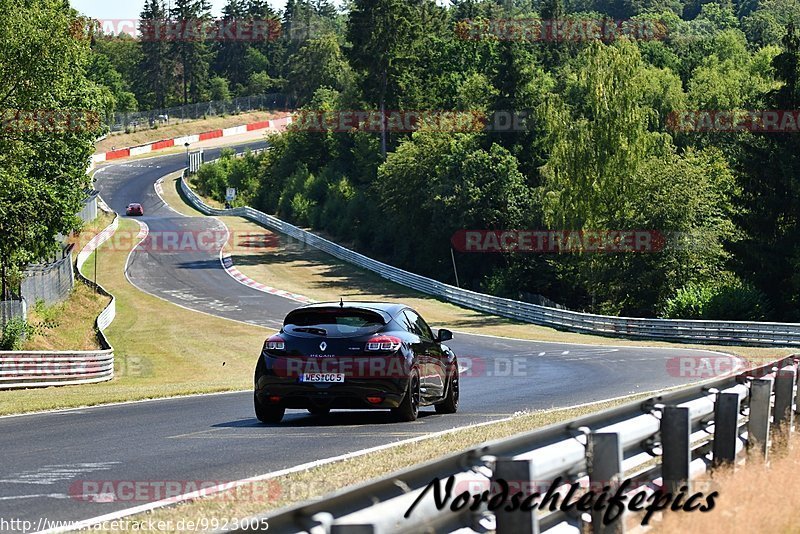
[{"x": 334, "y": 419}]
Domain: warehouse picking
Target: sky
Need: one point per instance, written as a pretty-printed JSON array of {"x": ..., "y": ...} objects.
[{"x": 130, "y": 9}]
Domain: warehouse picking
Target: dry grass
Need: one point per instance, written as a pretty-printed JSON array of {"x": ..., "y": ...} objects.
[
  {"x": 147, "y": 135},
  {"x": 73, "y": 319},
  {"x": 154, "y": 356},
  {"x": 292, "y": 488},
  {"x": 306, "y": 271},
  {"x": 758, "y": 497}
]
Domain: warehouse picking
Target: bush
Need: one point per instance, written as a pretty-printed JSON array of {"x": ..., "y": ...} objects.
[
  {"x": 729, "y": 300},
  {"x": 14, "y": 334},
  {"x": 689, "y": 302},
  {"x": 739, "y": 302}
]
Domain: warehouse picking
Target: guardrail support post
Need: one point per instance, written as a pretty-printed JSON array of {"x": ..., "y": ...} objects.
[
  {"x": 784, "y": 393},
  {"x": 797, "y": 394},
  {"x": 604, "y": 461},
  {"x": 676, "y": 455},
  {"x": 516, "y": 472},
  {"x": 726, "y": 428},
  {"x": 760, "y": 406}
]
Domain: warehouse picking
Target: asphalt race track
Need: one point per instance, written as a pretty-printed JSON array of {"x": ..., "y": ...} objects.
[{"x": 217, "y": 438}]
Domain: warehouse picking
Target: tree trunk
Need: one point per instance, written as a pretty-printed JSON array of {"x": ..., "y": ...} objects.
[
  {"x": 383, "y": 115},
  {"x": 3, "y": 282}
]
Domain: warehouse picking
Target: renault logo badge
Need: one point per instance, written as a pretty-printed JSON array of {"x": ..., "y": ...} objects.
[{"x": 323, "y": 346}]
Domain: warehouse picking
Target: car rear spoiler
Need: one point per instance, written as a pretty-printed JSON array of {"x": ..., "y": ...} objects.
[{"x": 336, "y": 309}]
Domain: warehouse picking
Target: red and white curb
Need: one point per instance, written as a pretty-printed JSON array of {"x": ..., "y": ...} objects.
[
  {"x": 96, "y": 242},
  {"x": 236, "y": 274},
  {"x": 275, "y": 125}
]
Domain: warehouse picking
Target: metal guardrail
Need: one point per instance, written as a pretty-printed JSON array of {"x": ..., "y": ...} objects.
[
  {"x": 19, "y": 370},
  {"x": 660, "y": 444},
  {"x": 714, "y": 332}
]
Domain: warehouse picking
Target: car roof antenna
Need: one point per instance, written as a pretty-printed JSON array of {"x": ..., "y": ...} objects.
[{"x": 341, "y": 302}]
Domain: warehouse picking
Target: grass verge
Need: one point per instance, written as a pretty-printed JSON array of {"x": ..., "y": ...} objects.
[
  {"x": 297, "y": 268},
  {"x": 153, "y": 356},
  {"x": 73, "y": 322},
  {"x": 758, "y": 497},
  {"x": 147, "y": 135}
]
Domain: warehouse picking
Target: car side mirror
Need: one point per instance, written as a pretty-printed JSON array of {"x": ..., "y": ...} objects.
[{"x": 444, "y": 335}]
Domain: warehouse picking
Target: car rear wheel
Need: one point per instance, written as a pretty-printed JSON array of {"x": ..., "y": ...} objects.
[
  {"x": 450, "y": 403},
  {"x": 268, "y": 414},
  {"x": 409, "y": 408},
  {"x": 319, "y": 411}
]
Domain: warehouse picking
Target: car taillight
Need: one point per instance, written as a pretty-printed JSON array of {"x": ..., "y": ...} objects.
[
  {"x": 384, "y": 344},
  {"x": 275, "y": 343}
]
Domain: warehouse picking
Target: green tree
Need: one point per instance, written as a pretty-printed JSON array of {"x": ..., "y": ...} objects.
[
  {"x": 156, "y": 66},
  {"x": 770, "y": 166},
  {"x": 598, "y": 138},
  {"x": 229, "y": 54},
  {"x": 43, "y": 59},
  {"x": 465, "y": 186},
  {"x": 318, "y": 63},
  {"x": 190, "y": 47},
  {"x": 102, "y": 72},
  {"x": 383, "y": 35},
  {"x": 219, "y": 89}
]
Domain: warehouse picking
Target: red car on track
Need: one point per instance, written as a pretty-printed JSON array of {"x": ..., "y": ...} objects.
[{"x": 134, "y": 209}]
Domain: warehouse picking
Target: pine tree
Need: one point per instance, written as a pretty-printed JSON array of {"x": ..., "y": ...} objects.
[
  {"x": 229, "y": 54},
  {"x": 156, "y": 65},
  {"x": 384, "y": 34},
  {"x": 190, "y": 48}
]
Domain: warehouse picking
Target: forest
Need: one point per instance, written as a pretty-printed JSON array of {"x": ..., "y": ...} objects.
[{"x": 605, "y": 88}]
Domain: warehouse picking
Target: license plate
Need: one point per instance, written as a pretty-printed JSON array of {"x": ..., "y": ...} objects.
[{"x": 323, "y": 378}]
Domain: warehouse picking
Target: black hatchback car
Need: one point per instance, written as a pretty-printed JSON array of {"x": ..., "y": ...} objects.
[{"x": 356, "y": 355}]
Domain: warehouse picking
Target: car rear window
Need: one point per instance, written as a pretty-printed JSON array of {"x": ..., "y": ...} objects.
[{"x": 333, "y": 322}]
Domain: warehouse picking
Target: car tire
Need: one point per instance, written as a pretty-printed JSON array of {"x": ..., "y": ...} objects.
[
  {"x": 268, "y": 414},
  {"x": 409, "y": 409},
  {"x": 319, "y": 412},
  {"x": 450, "y": 403}
]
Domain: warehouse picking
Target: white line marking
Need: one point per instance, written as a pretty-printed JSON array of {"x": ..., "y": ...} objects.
[{"x": 572, "y": 344}]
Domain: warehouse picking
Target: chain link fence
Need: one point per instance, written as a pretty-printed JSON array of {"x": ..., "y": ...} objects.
[
  {"x": 139, "y": 120},
  {"x": 12, "y": 309},
  {"x": 50, "y": 282}
]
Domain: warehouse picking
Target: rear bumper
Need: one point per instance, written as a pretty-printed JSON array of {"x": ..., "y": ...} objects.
[{"x": 274, "y": 386}]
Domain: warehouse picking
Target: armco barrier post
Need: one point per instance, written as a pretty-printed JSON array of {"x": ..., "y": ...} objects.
[
  {"x": 760, "y": 408},
  {"x": 797, "y": 393},
  {"x": 784, "y": 395},
  {"x": 676, "y": 427},
  {"x": 726, "y": 428},
  {"x": 519, "y": 521},
  {"x": 604, "y": 461}
]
